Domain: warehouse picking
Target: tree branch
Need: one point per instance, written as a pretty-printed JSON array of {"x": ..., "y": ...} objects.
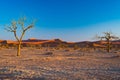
[
  {"x": 16, "y": 36},
  {"x": 30, "y": 26}
]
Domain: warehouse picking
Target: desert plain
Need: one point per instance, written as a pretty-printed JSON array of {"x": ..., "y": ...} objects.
[{"x": 38, "y": 64}]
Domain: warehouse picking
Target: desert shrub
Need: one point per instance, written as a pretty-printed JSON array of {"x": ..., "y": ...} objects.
[
  {"x": 56, "y": 48},
  {"x": 49, "y": 53},
  {"x": 62, "y": 46},
  {"x": 76, "y": 47},
  {"x": 38, "y": 46},
  {"x": 6, "y": 46},
  {"x": 66, "y": 50},
  {"x": 83, "y": 49},
  {"x": 81, "y": 54}
]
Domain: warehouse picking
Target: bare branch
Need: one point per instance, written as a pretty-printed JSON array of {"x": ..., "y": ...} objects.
[
  {"x": 30, "y": 26},
  {"x": 16, "y": 36},
  {"x": 9, "y": 29},
  {"x": 21, "y": 22}
]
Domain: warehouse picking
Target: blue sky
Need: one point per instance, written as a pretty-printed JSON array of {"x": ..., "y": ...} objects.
[{"x": 69, "y": 20}]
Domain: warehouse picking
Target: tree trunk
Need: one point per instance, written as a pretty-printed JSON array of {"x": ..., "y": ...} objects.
[
  {"x": 108, "y": 46},
  {"x": 18, "y": 49}
]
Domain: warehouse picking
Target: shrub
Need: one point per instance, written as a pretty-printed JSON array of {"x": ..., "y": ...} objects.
[{"x": 49, "y": 53}]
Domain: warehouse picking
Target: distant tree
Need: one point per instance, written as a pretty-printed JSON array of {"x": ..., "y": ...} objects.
[
  {"x": 14, "y": 28},
  {"x": 108, "y": 37}
]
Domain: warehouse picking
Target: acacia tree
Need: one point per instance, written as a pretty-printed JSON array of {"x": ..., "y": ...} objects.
[
  {"x": 108, "y": 37},
  {"x": 15, "y": 27}
]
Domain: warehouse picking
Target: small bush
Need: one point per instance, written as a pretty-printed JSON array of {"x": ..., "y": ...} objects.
[
  {"x": 66, "y": 50},
  {"x": 49, "y": 53}
]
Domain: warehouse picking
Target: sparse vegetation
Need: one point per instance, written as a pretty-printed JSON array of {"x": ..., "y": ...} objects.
[
  {"x": 108, "y": 37},
  {"x": 49, "y": 53},
  {"x": 62, "y": 46},
  {"x": 15, "y": 26},
  {"x": 38, "y": 64},
  {"x": 76, "y": 47}
]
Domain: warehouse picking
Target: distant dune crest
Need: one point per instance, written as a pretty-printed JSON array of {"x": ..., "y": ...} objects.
[{"x": 55, "y": 42}]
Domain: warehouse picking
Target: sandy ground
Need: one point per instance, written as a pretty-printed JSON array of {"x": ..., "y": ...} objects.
[{"x": 33, "y": 64}]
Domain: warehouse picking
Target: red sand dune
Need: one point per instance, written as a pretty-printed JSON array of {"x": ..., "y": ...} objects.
[{"x": 54, "y": 41}]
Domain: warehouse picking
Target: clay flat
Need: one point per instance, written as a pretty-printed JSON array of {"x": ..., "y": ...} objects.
[{"x": 35, "y": 64}]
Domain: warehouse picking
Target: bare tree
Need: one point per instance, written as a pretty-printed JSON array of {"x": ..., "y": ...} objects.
[
  {"x": 14, "y": 28},
  {"x": 108, "y": 37}
]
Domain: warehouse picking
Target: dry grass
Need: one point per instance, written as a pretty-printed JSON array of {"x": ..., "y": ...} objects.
[{"x": 61, "y": 65}]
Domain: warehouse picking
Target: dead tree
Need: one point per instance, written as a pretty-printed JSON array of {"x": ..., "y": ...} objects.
[
  {"x": 14, "y": 28},
  {"x": 108, "y": 37}
]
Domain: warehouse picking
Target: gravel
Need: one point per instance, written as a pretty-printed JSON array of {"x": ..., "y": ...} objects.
[{"x": 70, "y": 65}]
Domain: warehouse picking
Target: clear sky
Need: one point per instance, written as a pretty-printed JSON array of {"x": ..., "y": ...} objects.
[{"x": 69, "y": 20}]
